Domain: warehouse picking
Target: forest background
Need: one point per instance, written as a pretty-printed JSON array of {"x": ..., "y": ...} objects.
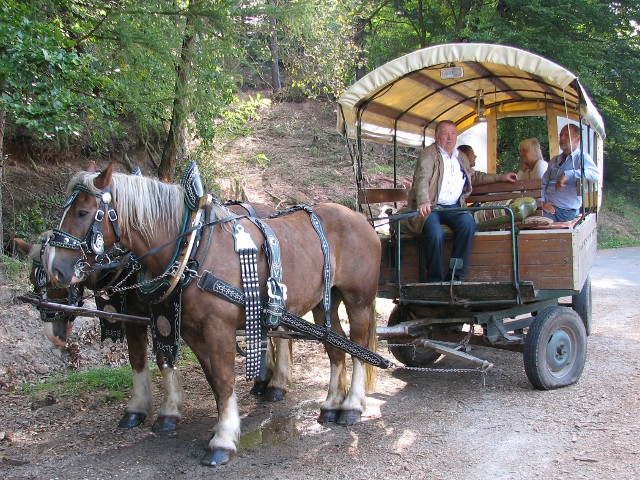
[{"x": 179, "y": 80}]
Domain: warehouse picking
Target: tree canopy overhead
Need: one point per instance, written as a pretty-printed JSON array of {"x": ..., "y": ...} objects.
[{"x": 91, "y": 71}]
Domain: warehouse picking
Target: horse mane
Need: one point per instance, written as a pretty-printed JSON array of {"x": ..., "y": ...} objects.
[{"x": 143, "y": 202}]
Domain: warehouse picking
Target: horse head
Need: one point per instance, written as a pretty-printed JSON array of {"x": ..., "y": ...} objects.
[
  {"x": 57, "y": 324},
  {"x": 88, "y": 228}
]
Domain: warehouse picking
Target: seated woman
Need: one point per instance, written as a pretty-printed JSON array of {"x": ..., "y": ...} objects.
[{"x": 533, "y": 165}]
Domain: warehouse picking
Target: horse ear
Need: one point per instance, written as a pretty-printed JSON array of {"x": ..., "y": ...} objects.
[
  {"x": 91, "y": 167},
  {"x": 104, "y": 179},
  {"x": 24, "y": 247}
]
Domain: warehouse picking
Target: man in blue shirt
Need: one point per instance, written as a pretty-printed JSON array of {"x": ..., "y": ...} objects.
[{"x": 561, "y": 200}]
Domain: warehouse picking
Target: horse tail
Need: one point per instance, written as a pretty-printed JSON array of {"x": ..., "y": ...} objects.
[{"x": 370, "y": 370}]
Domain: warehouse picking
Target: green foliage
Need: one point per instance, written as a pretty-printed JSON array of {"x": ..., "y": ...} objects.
[
  {"x": 187, "y": 356},
  {"x": 348, "y": 202},
  {"x": 386, "y": 169},
  {"x": 110, "y": 380},
  {"x": 259, "y": 160},
  {"x": 316, "y": 47},
  {"x": 237, "y": 120},
  {"x": 33, "y": 220},
  {"x": 511, "y": 131},
  {"x": 621, "y": 209},
  {"x": 46, "y": 85},
  {"x": 15, "y": 271}
]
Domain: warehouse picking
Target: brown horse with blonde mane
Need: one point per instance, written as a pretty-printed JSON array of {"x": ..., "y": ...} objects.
[
  {"x": 58, "y": 326},
  {"x": 150, "y": 215}
]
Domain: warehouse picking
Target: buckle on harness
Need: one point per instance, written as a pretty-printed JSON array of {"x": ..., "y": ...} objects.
[{"x": 274, "y": 309}]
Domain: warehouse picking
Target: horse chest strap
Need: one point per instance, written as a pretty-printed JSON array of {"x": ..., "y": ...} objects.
[{"x": 248, "y": 253}]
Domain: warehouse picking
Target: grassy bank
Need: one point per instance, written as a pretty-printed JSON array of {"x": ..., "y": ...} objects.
[{"x": 619, "y": 219}]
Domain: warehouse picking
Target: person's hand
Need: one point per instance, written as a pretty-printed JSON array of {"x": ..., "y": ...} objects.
[
  {"x": 509, "y": 177},
  {"x": 424, "y": 209},
  {"x": 561, "y": 183},
  {"x": 549, "y": 207}
]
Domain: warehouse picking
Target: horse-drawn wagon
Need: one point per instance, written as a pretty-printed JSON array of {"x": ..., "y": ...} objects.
[
  {"x": 527, "y": 286},
  {"x": 203, "y": 277}
]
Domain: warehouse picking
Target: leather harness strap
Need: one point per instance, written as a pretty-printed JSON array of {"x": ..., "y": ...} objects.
[
  {"x": 248, "y": 254},
  {"x": 212, "y": 284},
  {"x": 326, "y": 251},
  {"x": 276, "y": 290}
]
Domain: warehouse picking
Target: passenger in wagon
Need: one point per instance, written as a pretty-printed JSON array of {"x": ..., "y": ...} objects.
[
  {"x": 533, "y": 164},
  {"x": 560, "y": 198},
  {"x": 469, "y": 153},
  {"x": 443, "y": 178}
]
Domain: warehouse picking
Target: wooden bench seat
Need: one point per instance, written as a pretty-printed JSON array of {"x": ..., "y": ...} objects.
[{"x": 499, "y": 191}]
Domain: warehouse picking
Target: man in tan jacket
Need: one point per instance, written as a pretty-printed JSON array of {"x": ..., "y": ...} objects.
[{"x": 443, "y": 180}]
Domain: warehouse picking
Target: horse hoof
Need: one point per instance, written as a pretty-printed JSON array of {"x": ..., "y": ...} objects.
[
  {"x": 328, "y": 416},
  {"x": 349, "y": 417},
  {"x": 131, "y": 420},
  {"x": 219, "y": 456},
  {"x": 165, "y": 424},
  {"x": 272, "y": 394},
  {"x": 258, "y": 388}
]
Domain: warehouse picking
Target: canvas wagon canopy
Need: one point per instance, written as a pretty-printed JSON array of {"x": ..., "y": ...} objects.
[{"x": 467, "y": 83}]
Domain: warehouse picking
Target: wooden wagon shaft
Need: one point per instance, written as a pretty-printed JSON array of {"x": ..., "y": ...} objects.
[
  {"x": 84, "y": 312},
  {"x": 123, "y": 317}
]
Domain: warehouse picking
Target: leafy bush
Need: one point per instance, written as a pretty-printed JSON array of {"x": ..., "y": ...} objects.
[{"x": 31, "y": 222}]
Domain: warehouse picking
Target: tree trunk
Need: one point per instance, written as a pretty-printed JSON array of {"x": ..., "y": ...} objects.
[
  {"x": 275, "y": 53},
  {"x": 2, "y": 116},
  {"x": 174, "y": 150},
  {"x": 359, "y": 41}
]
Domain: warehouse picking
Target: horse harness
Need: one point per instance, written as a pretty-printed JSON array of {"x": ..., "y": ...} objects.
[
  {"x": 40, "y": 282},
  {"x": 92, "y": 244},
  {"x": 165, "y": 296},
  {"x": 115, "y": 301}
]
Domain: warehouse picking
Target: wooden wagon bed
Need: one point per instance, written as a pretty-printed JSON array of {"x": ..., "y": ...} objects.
[
  {"x": 556, "y": 257},
  {"x": 547, "y": 258}
]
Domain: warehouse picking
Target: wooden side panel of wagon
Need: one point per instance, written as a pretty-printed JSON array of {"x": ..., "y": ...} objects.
[{"x": 552, "y": 259}]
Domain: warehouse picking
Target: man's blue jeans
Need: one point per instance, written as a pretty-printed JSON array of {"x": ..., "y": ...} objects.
[
  {"x": 463, "y": 226},
  {"x": 562, "y": 214}
]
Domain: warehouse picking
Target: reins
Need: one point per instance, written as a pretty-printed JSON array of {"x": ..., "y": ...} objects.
[{"x": 188, "y": 231}]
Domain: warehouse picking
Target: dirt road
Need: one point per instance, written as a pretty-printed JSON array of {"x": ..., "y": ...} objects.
[{"x": 417, "y": 425}]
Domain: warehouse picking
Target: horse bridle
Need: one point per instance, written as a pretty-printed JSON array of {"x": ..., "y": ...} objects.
[
  {"x": 40, "y": 281},
  {"x": 93, "y": 242}
]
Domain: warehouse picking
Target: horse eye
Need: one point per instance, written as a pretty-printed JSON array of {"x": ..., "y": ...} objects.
[{"x": 83, "y": 213}]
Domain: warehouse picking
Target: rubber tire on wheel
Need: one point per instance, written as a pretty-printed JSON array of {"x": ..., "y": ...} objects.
[
  {"x": 418, "y": 357},
  {"x": 582, "y": 303},
  {"x": 555, "y": 348}
]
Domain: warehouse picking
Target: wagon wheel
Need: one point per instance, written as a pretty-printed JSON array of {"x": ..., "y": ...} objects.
[
  {"x": 582, "y": 304},
  {"x": 410, "y": 356},
  {"x": 555, "y": 348}
]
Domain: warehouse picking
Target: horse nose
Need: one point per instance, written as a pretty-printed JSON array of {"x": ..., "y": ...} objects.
[
  {"x": 61, "y": 278},
  {"x": 57, "y": 333}
]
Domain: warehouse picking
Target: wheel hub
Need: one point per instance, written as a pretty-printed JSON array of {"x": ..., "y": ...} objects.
[{"x": 559, "y": 352}]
